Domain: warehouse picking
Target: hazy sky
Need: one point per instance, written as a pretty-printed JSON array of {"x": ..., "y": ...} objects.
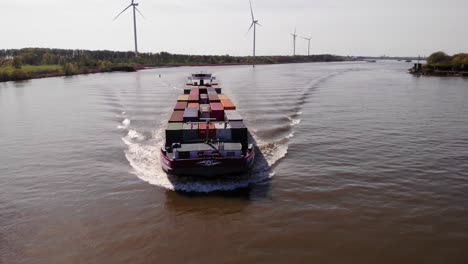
[{"x": 344, "y": 27}]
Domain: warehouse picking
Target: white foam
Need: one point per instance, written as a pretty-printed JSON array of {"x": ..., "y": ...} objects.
[
  {"x": 125, "y": 123},
  {"x": 132, "y": 134},
  {"x": 144, "y": 157},
  {"x": 294, "y": 121}
]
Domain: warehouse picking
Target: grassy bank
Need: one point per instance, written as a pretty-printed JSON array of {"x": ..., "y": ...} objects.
[
  {"x": 10, "y": 73},
  {"x": 22, "y": 64},
  {"x": 25, "y": 72}
]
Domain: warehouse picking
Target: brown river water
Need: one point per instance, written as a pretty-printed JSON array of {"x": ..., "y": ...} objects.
[{"x": 358, "y": 163}]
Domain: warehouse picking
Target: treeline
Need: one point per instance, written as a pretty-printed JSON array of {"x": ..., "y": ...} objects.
[
  {"x": 72, "y": 62},
  {"x": 440, "y": 61}
]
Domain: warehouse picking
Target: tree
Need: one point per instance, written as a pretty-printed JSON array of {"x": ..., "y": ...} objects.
[
  {"x": 17, "y": 62},
  {"x": 69, "y": 69},
  {"x": 438, "y": 58}
]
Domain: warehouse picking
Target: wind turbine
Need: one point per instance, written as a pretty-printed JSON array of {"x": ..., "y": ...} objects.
[
  {"x": 308, "y": 39},
  {"x": 134, "y": 5},
  {"x": 294, "y": 41},
  {"x": 254, "y": 25}
]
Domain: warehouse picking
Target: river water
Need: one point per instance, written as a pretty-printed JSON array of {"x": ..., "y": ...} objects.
[{"x": 359, "y": 162}]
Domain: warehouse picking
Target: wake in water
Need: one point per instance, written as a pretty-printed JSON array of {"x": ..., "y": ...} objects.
[
  {"x": 124, "y": 125},
  {"x": 143, "y": 154}
]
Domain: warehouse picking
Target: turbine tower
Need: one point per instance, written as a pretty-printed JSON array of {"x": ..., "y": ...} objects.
[
  {"x": 254, "y": 25},
  {"x": 134, "y": 5},
  {"x": 308, "y": 39},
  {"x": 294, "y": 42}
]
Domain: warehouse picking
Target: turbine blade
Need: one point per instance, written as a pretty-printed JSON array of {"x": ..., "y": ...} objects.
[
  {"x": 140, "y": 13},
  {"x": 251, "y": 25},
  {"x": 251, "y": 10},
  {"x": 258, "y": 24},
  {"x": 122, "y": 11}
]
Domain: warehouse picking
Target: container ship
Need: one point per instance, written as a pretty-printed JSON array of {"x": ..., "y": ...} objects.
[{"x": 206, "y": 135}]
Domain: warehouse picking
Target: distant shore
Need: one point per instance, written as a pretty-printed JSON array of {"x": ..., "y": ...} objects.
[
  {"x": 441, "y": 64},
  {"x": 36, "y": 72},
  {"x": 33, "y": 63}
]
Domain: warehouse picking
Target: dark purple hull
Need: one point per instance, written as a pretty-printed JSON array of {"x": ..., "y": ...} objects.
[{"x": 207, "y": 167}]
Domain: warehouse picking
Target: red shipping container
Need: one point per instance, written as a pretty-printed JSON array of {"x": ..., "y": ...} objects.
[
  {"x": 193, "y": 98},
  {"x": 202, "y": 131},
  {"x": 177, "y": 116},
  {"x": 217, "y": 111},
  {"x": 180, "y": 106}
]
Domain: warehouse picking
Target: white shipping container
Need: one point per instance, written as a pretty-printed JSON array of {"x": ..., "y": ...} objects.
[{"x": 232, "y": 115}]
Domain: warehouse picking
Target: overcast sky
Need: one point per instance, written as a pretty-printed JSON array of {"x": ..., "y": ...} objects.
[{"x": 343, "y": 27}]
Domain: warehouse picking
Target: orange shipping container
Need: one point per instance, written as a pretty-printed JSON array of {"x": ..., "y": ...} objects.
[
  {"x": 222, "y": 96},
  {"x": 194, "y": 105},
  {"x": 183, "y": 98},
  {"x": 227, "y": 104}
]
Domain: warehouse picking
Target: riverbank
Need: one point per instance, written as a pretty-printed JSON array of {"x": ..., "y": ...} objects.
[
  {"x": 32, "y": 63},
  {"x": 27, "y": 72}
]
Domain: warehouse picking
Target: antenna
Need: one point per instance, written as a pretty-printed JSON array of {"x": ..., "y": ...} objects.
[
  {"x": 254, "y": 25},
  {"x": 134, "y": 5}
]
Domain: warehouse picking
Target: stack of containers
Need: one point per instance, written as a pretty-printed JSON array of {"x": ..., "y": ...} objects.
[
  {"x": 204, "y": 111},
  {"x": 174, "y": 133},
  {"x": 180, "y": 106},
  {"x": 190, "y": 131},
  {"x": 217, "y": 111},
  {"x": 210, "y": 90},
  {"x": 222, "y": 96},
  {"x": 194, "y": 95},
  {"x": 227, "y": 104},
  {"x": 213, "y": 98},
  {"x": 183, "y": 98},
  {"x": 223, "y": 131},
  {"x": 202, "y": 131},
  {"x": 193, "y": 105},
  {"x": 239, "y": 132},
  {"x": 233, "y": 115},
  {"x": 190, "y": 114},
  {"x": 203, "y": 98},
  {"x": 177, "y": 116}
]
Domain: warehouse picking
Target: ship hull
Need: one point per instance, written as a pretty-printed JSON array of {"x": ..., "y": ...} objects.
[{"x": 208, "y": 167}]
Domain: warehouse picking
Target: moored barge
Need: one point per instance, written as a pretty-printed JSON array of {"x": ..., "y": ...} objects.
[{"x": 206, "y": 135}]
